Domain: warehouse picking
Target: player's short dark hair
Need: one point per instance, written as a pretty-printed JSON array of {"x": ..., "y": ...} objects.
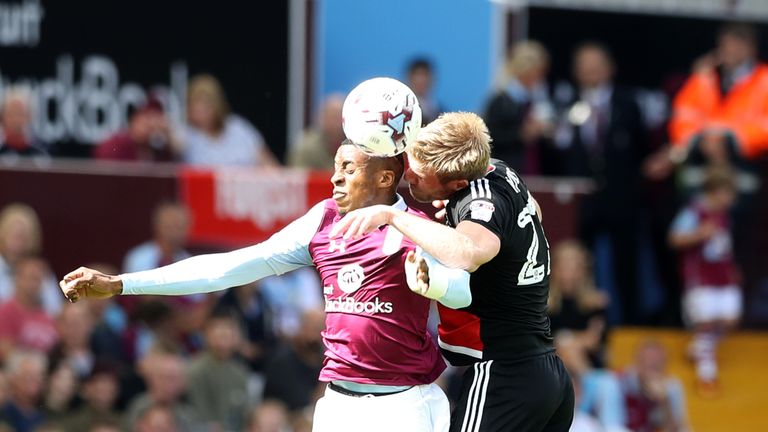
[
  {"x": 739, "y": 30},
  {"x": 420, "y": 63},
  {"x": 395, "y": 163},
  {"x": 718, "y": 178}
]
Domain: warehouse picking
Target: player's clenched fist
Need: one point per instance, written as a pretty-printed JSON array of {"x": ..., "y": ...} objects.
[
  {"x": 417, "y": 273},
  {"x": 85, "y": 282}
]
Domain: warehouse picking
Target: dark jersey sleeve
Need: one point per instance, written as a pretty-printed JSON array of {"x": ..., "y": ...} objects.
[{"x": 486, "y": 204}]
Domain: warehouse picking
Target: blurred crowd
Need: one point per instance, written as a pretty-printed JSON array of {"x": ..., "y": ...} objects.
[
  {"x": 242, "y": 360},
  {"x": 248, "y": 358}
]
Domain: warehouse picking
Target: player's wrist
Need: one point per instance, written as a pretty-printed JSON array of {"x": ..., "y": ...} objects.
[
  {"x": 390, "y": 215},
  {"x": 116, "y": 285}
]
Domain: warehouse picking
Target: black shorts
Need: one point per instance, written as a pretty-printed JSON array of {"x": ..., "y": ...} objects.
[{"x": 529, "y": 395}]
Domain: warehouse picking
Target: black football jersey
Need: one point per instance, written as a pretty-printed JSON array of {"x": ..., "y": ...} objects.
[{"x": 508, "y": 315}]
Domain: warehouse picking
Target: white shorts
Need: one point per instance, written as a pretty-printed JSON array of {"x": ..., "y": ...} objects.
[
  {"x": 422, "y": 408},
  {"x": 707, "y": 303}
]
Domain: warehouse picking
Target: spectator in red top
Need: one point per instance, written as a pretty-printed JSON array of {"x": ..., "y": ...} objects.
[
  {"x": 147, "y": 137},
  {"x": 654, "y": 400},
  {"x": 23, "y": 321}
]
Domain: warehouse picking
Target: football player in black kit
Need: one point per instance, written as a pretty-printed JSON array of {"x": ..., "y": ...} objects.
[{"x": 515, "y": 381}]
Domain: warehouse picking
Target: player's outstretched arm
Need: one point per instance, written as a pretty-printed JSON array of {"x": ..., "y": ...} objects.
[
  {"x": 429, "y": 278},
  {"x": 286, "y": 250}
]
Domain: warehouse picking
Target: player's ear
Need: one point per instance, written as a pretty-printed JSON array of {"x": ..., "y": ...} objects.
[
  {"x": 454, "y": 185},
  {"x": 386, "y": 178}
]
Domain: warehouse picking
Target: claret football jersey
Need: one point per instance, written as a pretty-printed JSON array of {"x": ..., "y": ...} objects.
[{"x": 376, "y": 328}]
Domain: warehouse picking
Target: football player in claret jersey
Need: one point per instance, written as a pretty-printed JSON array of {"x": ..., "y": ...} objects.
[
  {"x": 380, "y": 360},
  {"x": 493, "y": 229}
]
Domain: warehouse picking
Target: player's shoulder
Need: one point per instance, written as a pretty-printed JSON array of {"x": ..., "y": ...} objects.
[
  {"x": 499, "y": 185},
  {"x": 324, "y": 213}
]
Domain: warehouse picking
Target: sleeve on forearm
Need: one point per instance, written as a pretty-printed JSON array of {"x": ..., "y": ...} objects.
[
  {"x": 450, "y": 285},
  {"x": 286, "y": 250}
]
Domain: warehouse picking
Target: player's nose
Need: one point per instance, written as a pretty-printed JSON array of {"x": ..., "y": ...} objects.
[{"x": 337, "y": 178}]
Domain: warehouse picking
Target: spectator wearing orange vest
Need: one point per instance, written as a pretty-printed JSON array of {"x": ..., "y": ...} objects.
[{"x": 725, "y": 100}]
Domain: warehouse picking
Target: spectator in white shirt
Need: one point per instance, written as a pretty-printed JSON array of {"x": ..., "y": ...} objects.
[{"x": 216, "y": 137}]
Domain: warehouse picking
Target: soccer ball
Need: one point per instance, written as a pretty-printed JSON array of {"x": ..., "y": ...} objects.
[{"x": 381, "y": 116}]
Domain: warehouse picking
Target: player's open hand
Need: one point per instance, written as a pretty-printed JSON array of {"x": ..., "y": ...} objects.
[
  {"x": 359, "y": 222},
  {"x": 85, "y": 282},
  {"x": 417, "y": 273}
]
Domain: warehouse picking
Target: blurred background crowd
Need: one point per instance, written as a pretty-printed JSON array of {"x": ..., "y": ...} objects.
[{"x": 247, "y": 359}]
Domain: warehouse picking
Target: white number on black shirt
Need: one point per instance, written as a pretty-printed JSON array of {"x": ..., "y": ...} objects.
[{"x": 532, "y": 271}]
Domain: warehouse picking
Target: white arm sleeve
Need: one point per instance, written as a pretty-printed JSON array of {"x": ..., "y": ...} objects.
[
  {"x": 449, "y": 286},
  {"x": 286, "y": 250}
]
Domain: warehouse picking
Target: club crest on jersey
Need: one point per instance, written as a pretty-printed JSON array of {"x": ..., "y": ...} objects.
[
  {"x": 481, "y": 210},
  {"x": 350, "y": 278}
]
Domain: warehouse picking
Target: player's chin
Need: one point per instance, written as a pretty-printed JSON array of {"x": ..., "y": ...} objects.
[{"x": 342, "y": 205}]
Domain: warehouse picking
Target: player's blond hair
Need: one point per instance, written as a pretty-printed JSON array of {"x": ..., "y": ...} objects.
[{"x": 456, "y": 146}]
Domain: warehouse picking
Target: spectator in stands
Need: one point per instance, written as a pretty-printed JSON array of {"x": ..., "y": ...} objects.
[
  {"x": 575, "y": 304},
  {"x": 21, "y": 235},
  {"x": 75, "y": 325},
  {"x": 291, "y": 376},
  {"x": 721, "y": 103},
  {"x": 164, "y": 375},
  {"x": 99, "y": 393},
  {"x": 109, "y": 322},
  {"x": 154, "y": 325},
  {"x": 157, "y": 418},
  {"x": 602, "y": 137},
  {"x": 104, "y": 426},
  {"x": 61, "y": 391},
  {"x": 600, "y": 392},
  {"x": 420, "y": 80},
  {"x": 26, "y": 375},
  {"x": 317, "y": 145},
  {"x": 582, "y": 421},
  {"x": 712, "y": 300},
  {"x": 520, "y": 116},
  {"x": 654, "y": 401},
  {"x": 170, "y": 226},
  {"x": 289, "y": 296},
  {"x": 217, "y": 380},
  {"x": 24, "y": 323},
  {"x": 147, "y": 137},
  {"x": 16, "y": 136},
  {"x": 269, "y": 416},
  {"x": 3, "y": 388},
  {"x": 254, "y": 317},
  {"x": 4, "y": 395},
  {"x": 216, "y": 137}
]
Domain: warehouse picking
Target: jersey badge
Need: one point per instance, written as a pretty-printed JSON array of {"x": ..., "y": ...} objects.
[{"x": 481, "y": 210}]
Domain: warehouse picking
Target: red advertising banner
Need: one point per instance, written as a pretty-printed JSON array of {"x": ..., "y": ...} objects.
[{"x": 236, "y": 206}]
